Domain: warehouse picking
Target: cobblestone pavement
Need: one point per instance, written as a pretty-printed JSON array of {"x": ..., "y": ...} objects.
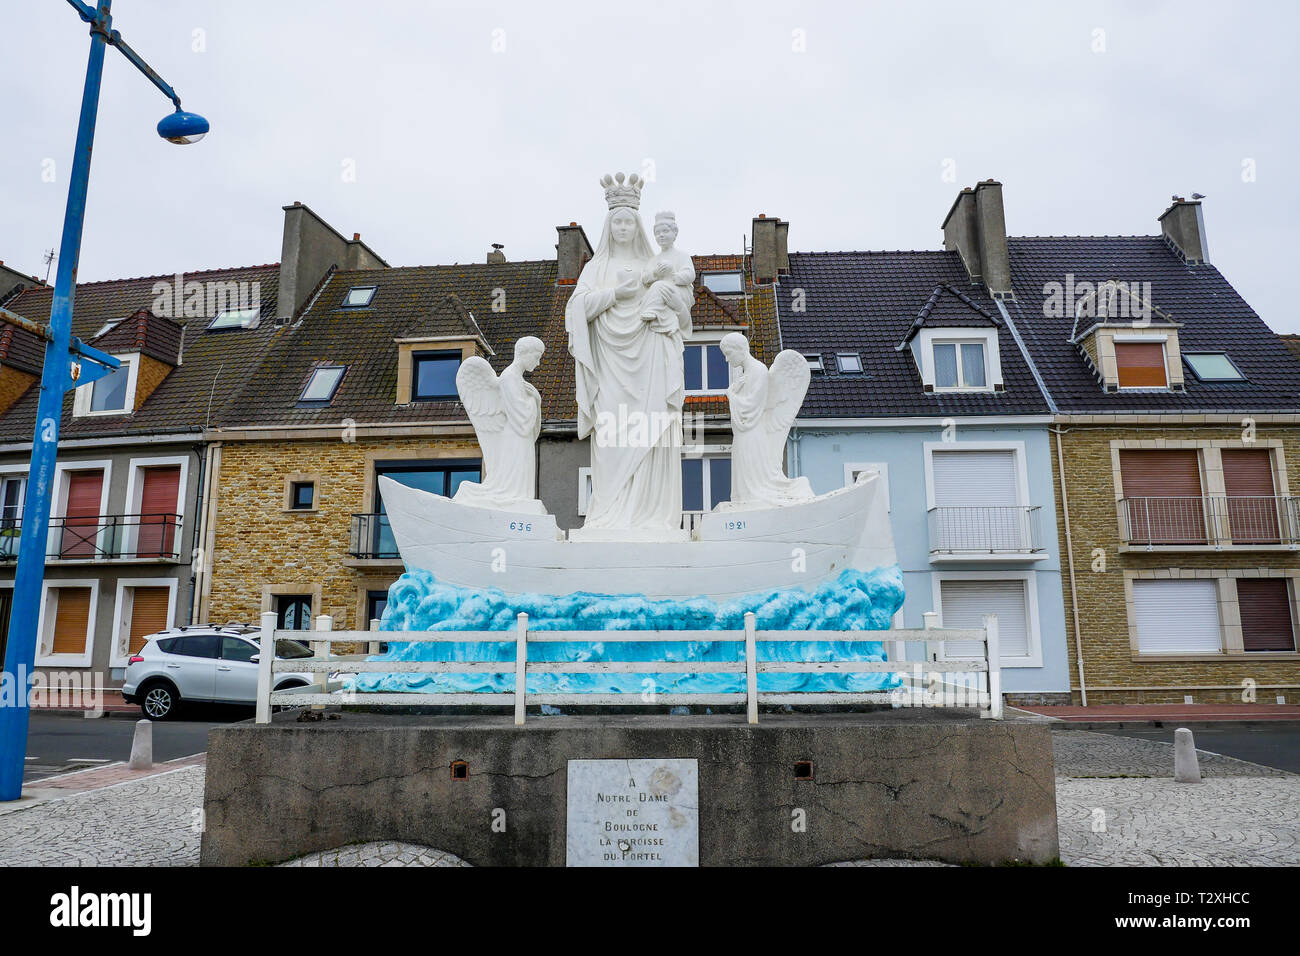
[
  {"x": 1117, "y": 805},
  {"x": 152, "y": 821},
  {"x": 379, "y": 854}
]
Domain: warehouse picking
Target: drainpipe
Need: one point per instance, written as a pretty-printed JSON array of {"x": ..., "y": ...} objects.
[
  {"x": 196, "y": 519},
  {"x": 1069, "y": 555}
]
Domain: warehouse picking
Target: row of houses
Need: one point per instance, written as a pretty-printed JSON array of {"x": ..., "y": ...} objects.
[{"x": 1089, "y": 436}]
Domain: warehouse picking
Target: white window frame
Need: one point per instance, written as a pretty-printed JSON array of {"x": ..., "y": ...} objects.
[
  {"x": 1030, "y": 579},
  {"x": 851, "y": 469},
  {"x": 357, "y": 288},
  {"x": 135, "y": 492},
  {"x": 815, "y": 361},
  {"x": 45, "y": 624},
  {"x": 855, "y": 356},
  {"x": 250, "y": 323},
  {"x": 82, "y": 396},
  {"x": 705, "y": 452},
  {"x": 118, "y": 655},
  {"x": 59, "y": 500},
  {"x": 926, "y": 340},
  {"x": 584, "y": 489},
  {"x": 1017, "y": 447},
  {"x": 739, "y": 273},
  {"x": 706, "y": 339}
]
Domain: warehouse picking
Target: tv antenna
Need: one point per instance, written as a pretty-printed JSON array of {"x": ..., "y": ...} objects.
[{"x": 49, "y": 261}]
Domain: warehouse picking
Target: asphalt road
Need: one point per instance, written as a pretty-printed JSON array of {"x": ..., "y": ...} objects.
[
  {"x": 62, "y": 742},
  {"x": 1277, "y": 747}
]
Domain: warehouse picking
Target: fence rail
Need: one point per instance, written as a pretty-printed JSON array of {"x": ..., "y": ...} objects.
[
  {"x": 1218, "y": 520},
  {"x": 956, "y": 687}
]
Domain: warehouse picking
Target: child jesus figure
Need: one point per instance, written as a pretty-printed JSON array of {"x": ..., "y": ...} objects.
[{"x": 669, "y": 278}]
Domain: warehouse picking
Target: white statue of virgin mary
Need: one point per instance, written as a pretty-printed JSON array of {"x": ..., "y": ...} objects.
[{"x": 630, "y": 383}]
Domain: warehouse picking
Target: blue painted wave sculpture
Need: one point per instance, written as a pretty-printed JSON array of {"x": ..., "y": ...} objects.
[{"x": 856, "y": 600}]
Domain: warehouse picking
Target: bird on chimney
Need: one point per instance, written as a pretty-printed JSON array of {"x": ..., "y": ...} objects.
[{"x": 1198, "y": 195}]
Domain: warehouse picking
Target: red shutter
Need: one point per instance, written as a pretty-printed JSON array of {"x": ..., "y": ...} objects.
[
  {"x": 1162, "y": 492},
  {"x": 148, "y": 615},
  {"x": 158, "y": 507},
  {"x": 1141, "y": 364},
  {"x": 81, "y": 516},
  {"x": 1252, "y": 509},
  {"x": 71, "y": 619},
  {"x": 1265, "y": 614}
]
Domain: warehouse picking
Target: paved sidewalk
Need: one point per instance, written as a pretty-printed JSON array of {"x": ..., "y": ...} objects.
[
  {"x": 1117, "y": 805},
  {"x": 1167, "y": 713}
]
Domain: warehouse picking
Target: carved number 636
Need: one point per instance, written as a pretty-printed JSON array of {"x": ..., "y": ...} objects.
[{"x": 521, "y": 526}]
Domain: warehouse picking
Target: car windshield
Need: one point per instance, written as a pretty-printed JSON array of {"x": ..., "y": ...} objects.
[{"x": 292, "y": 649}]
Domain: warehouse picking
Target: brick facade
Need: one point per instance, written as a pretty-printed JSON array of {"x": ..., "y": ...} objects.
[
  {"x": 1104, "y": 595},
  {"x": 262, "y": 548}
]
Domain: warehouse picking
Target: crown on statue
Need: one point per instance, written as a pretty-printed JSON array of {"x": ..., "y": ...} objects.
[{"x": 620, "y": 193}]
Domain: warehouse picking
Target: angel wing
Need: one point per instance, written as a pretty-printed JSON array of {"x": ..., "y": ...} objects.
[
  {"x": 480, "y": 393},
  {"x": 787, "y": 384}
]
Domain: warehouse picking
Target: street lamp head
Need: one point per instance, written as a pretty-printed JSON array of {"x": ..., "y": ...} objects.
[{"x": 183, "y": 128}]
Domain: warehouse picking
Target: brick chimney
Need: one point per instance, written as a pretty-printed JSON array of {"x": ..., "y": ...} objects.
[
  {"x": 1183, "y": 226},
  {"x": 572, "y": 252},
  {"x": 976, "y": 228},
  {"x": 310, "y": 247},
  {"x": 11, "y": 281},
  {"x": 769, "y": 248},
  {"x": 496, "y": 255}
]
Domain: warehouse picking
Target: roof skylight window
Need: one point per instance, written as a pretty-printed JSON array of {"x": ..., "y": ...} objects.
[
  {"x": 235, "y": 319},
  {"x": 1213, "y": 367},
  {"x": 359, "y": 296},
  {"x": 814, "y": 361},
  {"x": 723, "y": 283},
  {"x": 849, "y": 361},
  {"x": 322, "y": 385}
]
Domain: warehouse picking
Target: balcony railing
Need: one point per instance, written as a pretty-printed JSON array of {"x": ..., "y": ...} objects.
[
  {"x": 1210, "y": 520},
  {"x": 371, "y": 537},
  {"x": 999, "y": 529},
  {"x": 101, "y": 538}
]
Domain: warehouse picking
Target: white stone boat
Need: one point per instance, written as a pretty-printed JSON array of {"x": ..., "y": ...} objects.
[{"x": 730, "y": 553}]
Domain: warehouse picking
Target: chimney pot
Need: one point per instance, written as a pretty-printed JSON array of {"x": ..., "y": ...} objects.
[
  {"x": 356, "y": 237},
  {"x": 573, "y": 224}
]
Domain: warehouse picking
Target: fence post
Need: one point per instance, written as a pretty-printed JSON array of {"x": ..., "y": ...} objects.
[
  {"x": 751, "y": 667},
  {"x": 321, "y": 649},
  {"x": 373, "y": 646},
  {"x": 993, "y": 654},
  {"x": 267, "y": 655},
  {"x": 931, "y": 619},
  {"x": 521, "y": 667}
]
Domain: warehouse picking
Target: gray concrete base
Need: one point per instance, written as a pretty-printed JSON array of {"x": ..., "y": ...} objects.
[{"x": 893, "y": 783}]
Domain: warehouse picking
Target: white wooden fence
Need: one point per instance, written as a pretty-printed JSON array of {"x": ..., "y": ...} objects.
[{"x": 938, "y": 681}]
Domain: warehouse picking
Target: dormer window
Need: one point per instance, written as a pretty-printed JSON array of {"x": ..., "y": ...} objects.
[
  {"x": 114, "y": 394},
  {"x": 359, "y": 296},
  {"x": 723, "y": 283},
  {"x": 959, "y": 365},
  {"x": 235, "y": 319},
  {"x": 849, "y": 362},
  {"x": 1141, "y": 364},
  {"x": 1213, "y": 367},
  {"x": 322, "y": 384},
  {"x": 433, "y": 375}
]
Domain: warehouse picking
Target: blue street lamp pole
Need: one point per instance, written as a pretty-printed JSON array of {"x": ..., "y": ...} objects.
[{"x": 68, "y": 363}]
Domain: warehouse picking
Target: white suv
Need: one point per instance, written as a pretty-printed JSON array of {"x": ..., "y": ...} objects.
[{"x": 210, "y": 664}]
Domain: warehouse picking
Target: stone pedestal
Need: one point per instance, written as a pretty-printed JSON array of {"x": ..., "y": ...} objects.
[{"x": 795, "y": 790}]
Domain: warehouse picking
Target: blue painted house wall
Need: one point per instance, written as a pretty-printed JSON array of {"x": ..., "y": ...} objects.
[{"x": 821, "y": 453}]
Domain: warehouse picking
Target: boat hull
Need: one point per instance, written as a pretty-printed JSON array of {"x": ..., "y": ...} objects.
[{"x": 732, "y": 554}]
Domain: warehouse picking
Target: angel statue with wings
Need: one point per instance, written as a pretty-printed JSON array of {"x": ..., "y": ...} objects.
[
  {"x": 506, "y": 413},
  {"x": 764, "y": 403}
]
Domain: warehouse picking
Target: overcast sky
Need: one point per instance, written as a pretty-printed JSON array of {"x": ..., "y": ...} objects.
[{"x": 437, "y": 128}]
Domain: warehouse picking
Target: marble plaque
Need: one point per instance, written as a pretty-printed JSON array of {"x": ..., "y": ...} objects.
[{"x": 633, "y": 813}]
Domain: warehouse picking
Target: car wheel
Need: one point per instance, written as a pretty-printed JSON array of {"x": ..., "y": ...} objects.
[
  {"x": 158, "y": 701},
  {"x": 288, "y": 685}
]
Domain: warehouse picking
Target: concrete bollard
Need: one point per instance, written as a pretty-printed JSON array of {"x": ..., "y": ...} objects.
[
  {"x": 142, "y": 746},
  {"x": 1186, "y": 767}
]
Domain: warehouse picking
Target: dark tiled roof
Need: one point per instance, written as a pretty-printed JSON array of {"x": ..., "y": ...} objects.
[
  {"x": 155, "y": 336},
  {"x": 947, "y": 308},
  {"x": 21, "y": 349},
  {"x": 409, "y": 302},
  {"x": 213, "y": 367},
  {"x": 1211, "y": 314},
  {"x": 866, "y": 302},
  {"x": 1293, "y": 343}
]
